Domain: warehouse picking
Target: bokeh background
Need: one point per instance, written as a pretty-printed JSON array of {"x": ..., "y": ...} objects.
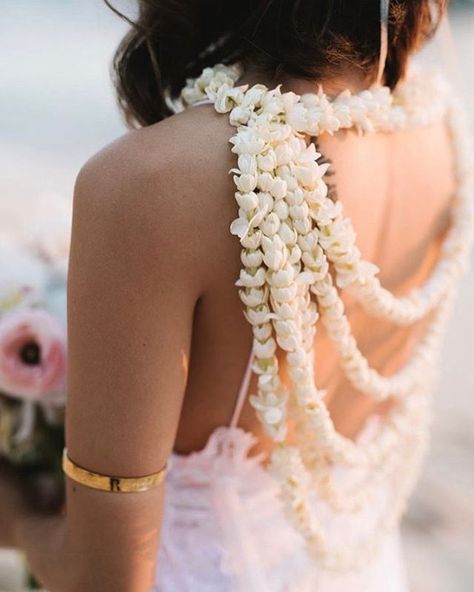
[{"x": 57, "y": 108}]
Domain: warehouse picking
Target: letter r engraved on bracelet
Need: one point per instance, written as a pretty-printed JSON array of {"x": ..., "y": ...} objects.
[{"x": 114, "y": 484}]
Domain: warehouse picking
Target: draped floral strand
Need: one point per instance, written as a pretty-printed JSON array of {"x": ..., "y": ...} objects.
[{"x": 293, "y": 235}]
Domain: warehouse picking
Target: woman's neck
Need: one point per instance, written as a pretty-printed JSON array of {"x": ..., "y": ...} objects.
[{"x": 350, "y": 80}]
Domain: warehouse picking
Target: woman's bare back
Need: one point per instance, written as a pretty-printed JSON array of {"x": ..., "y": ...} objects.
[{"x": 399, "y": 205}]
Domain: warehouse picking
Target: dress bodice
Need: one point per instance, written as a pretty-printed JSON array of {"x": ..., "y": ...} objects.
[{"x": 224, "y": 530}]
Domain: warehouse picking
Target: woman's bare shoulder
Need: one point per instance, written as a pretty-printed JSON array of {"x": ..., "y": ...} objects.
[
  {"x": 176, "y": 153},
  {"x": 168, "y": 183}
]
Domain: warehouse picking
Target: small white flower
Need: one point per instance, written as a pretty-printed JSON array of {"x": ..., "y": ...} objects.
[
  {"x": 284, "y": 172},
  {"x": 318, "y": 194},
  {"x": 227, "y": 98},
  {"x": 302, "y": 225},
  {"x": 271, "y": 399},
  {"x": 286, "y": 294},
  {"x": 295, "y": 197},
  {"x": 279, "y": 132},
  {"x": 278, "y": 433},
  {"x": 247, "y": 164},
  {"x": 221, "y": 79},
  {"x": 321, "y": 117},
  {"x": 275, "y": 259},
  {"x": 285, "y": 328},
  {"x": 247, "y": 201},
  {"x": 250, "y": 280},
  {"x": 305, "y": 390},
  {"x": 309, "y": 241},
  {"x": 307, "y": 154},
  {"x": 268, "y": 382},
  {"x": 289, "y": 100},
  {"x": 254, "y": 95},
  {"x": 247, "y": 141},
  {"x": 281, "y": 209},
  {"x": 254, "y": 296},
  {"x": 265, "y": 349},
  {"x": 272, "y": 103},
  {"x": 327, "y": 212},
  {"x": 296, "y": 116},
  {"x": 267, "y": 162},
  {"x": 299, "y": 211},
  {"x": 257, "y": 316},
  {"x": 270, "y": 225},
  {"x": 278, "y": 188},
  {"x": 283, "y": 153},
  {"x": 240, "y": 227},
  {"x": 282, "y": 277},
  {"x": 252, "y": 239},
  {"x": 318, "y": 265},
  {"x": 342, "y": 112},
  {"x": 289, "y": 343},
  {"x": 298, "y": 357},
  {"x": 192, "y": 94},
  {"x": 298, "y": 374},
  {"x": 265, "y": 182},
  {"x": 287, "y": 234},
  {"x": 273, "y": 243},
  {"x": 262, "y": 332},
  {"x": 273, "y": 416},
  {"x": 240, "y": 115},
  {"x": 308, "y": 175},
  {"x": 310, "y": 315},
  {"x": 206, "y": 77},
  {"x": 275, "y": 253},
  {"x": 295, "y": 254},
  {"x": 307, "y": 278},
  {"x": 251, "y": 258},
  {"x": 265, "y": 201},
  {"x": 271, "y": 407},
  {"x": 284, "y": 310},
  {"x": 258, "y": 217},
  {"x": 245, "y": 182},
  {"x": 310, "y": 100}
]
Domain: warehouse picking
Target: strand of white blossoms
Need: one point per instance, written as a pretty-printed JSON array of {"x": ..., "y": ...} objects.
[
  {"x": 386, "y": 449},
  {"x": 291, "y": 232}
]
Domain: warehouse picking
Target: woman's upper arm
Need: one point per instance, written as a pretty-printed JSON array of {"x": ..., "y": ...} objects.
[{"x": 131, "y": 297}]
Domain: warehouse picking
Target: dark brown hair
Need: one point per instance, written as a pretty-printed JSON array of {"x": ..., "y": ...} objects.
[{"x": 172, "y": 40}]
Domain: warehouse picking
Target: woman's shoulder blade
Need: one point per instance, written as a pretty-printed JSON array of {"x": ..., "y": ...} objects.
[
  {"x": 195, "y": 141},
  {"x": 167, "y": 184}
]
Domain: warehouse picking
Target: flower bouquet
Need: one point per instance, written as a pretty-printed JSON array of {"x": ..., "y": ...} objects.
[{"x": 33, "y": 370}]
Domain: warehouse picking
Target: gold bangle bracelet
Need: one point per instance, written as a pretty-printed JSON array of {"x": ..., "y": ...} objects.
[{"x": 109, "y": 482}]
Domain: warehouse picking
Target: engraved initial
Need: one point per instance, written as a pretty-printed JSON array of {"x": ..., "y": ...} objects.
[{"x": 114, "y": 484}]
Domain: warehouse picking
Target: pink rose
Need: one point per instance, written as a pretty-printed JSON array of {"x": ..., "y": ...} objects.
[{"x": 32, "y": 355}]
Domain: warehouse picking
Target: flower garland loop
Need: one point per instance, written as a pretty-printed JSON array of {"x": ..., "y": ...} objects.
[{"x": 292, "y": 235}]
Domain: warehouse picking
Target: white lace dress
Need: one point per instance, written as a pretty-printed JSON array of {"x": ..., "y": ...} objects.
[{"x": 224, "y": 529}]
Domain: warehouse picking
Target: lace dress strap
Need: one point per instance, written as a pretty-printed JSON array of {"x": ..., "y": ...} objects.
[
  {"x": 239, "y": 404},
  {"x": 203, "y": 102}
]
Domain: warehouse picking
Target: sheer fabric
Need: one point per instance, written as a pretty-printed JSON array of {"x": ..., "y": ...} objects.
[{"x": 224, "y": 529}]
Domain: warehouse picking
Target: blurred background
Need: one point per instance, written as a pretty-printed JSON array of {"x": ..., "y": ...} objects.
[{"x": 57, "y": 108}]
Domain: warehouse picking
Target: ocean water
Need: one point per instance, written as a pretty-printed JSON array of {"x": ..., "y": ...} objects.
[
  {"x": 57, "y": 108},
  {"x": 56, "y": 100}
]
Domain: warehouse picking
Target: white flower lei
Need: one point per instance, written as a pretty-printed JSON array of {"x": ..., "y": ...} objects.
[{"x": 292, "y": 234}]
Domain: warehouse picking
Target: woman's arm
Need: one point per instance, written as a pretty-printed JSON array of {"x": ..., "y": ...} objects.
[{"x": 132, "y": 289}]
